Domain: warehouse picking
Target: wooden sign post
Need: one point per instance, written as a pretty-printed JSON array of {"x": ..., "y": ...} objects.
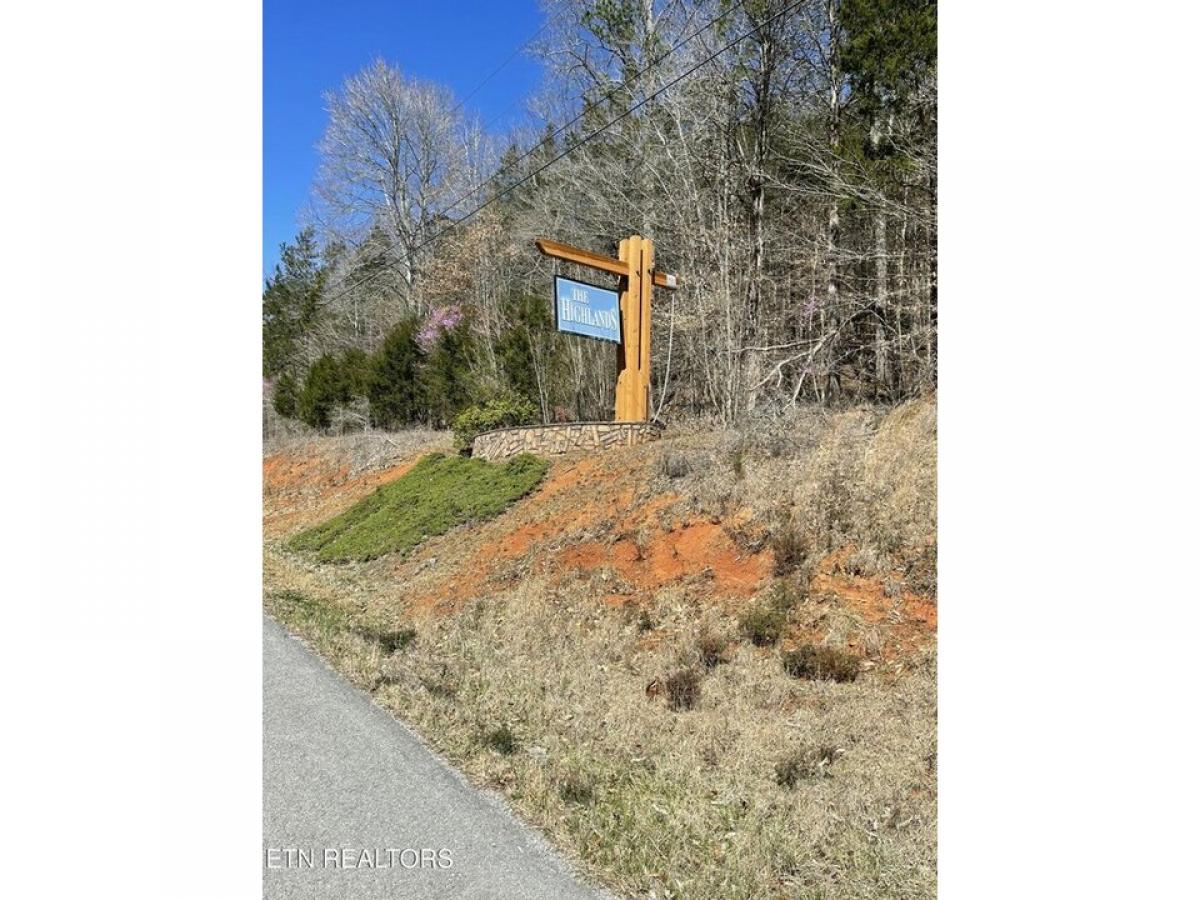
[{"x": 635, "y": 267}]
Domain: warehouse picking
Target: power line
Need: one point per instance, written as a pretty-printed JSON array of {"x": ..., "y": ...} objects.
[
  {"x": 565, "y": 152},
  {"x": 496, "y": 71}
]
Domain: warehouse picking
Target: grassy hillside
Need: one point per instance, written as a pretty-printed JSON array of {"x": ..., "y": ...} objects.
[
  {"x": 437, "y": 494},
  {"x": 704, "y": 667}
]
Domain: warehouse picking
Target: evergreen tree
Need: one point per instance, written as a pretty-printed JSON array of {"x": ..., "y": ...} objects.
[
  {"x": 285, "y": 398},
  {"x": 291, "y": 302},
  {"x": 526, "y": 345},
  {"x": 323, "y": 391},
  {"x": 888, "y": 48},
  {"x": 447, "y": 379},
  {"x": 394, "y": 388},
  {"x": 355, "y": 373}
]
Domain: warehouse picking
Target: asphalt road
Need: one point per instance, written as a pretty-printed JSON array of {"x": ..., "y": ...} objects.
[{"x": 375, "y": 813}]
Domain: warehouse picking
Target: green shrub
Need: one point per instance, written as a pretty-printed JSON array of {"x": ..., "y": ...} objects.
[
  {"x": 821, "y": 663},
  {"x": 437, "y": 494},
  {"x": 762, "y": 624},
  {"x": 285, "y": 398},
  {"x": 446, "y": 379},
  {"x": 505, "y": 410},
  {"x": 322, "y": 391},
  {"x": 355, "y": 373},
  {"x": 331, "y": 381}
]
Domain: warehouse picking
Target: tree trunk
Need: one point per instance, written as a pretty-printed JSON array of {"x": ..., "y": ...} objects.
[{"x": 883, "y": 370}]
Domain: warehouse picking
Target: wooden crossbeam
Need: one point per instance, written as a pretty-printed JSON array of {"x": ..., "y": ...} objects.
[{"x": 593, "y": 260}]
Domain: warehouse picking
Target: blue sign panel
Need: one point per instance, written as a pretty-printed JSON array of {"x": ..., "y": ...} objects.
[{"x": 585, "y": 309}]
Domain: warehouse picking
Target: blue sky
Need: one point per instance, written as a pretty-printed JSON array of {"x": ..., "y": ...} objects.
[{"x": 311, "y": 46}]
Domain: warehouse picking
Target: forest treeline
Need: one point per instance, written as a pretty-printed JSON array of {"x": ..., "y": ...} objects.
[{"x": 782, "y": 155}]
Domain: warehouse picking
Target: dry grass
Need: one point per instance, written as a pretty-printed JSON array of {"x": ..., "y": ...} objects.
[
  {"x": 768, "y": 785},
  {"x": 865, "y": 476},
  {"x": 687, "y": 804}
]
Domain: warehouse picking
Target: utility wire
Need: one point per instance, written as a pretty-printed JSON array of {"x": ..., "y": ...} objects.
[
  {"x": 565, "y": 152},
  {"x": 496, "y": 71}
]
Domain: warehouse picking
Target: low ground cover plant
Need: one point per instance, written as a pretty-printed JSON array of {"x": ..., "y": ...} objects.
[
  {"x": 503, "y": 740},
  {"x": 437, "y": 494},
  {"x": 389, "y": 640}
]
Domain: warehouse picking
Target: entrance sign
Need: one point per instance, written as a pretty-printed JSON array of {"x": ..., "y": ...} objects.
[
  {"x": 634, "y": 266},
  {"x": 588, "y": 310}
]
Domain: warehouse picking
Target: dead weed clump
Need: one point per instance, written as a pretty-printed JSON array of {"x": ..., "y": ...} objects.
[
  {"x": 711, "y": 649},
  {"x": 802, "y": 765},
  {"x": 790, "y": 546},
  {"x": 389, "y": 640},
  {"x": 675, "y": 464},
  {"x": 683, "y": 689},
  {"x": 821, "y": 663}
]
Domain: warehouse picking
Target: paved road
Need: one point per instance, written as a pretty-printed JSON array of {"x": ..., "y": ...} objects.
[{"x": 340, "y": 774}]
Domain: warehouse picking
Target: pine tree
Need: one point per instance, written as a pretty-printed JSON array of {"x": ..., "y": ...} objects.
[{"x": 291, "y": 302}]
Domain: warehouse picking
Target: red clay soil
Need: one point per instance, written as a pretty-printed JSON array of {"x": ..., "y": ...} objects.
[
  {"x": 663, "y": 557},
  {"x": 907, "y": 621},
  {"x": 300, "y": 488}
]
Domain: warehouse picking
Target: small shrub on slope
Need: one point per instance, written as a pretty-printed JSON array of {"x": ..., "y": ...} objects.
[
  {"x": 711, "y": 649},
  {"x": 764, "y": 622},
  {"x": 505, "y": 410},
  {"x": 821, "y": 663}
]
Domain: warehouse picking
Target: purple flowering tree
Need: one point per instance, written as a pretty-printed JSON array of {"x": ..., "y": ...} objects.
[{"x": 440, "y": 320}]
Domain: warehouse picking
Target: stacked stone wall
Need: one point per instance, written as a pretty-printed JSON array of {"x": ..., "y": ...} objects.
[{"x": 548, "y": 440}]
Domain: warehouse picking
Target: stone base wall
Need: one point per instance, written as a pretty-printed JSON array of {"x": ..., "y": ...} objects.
[{"x": 546, "y": 440}]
